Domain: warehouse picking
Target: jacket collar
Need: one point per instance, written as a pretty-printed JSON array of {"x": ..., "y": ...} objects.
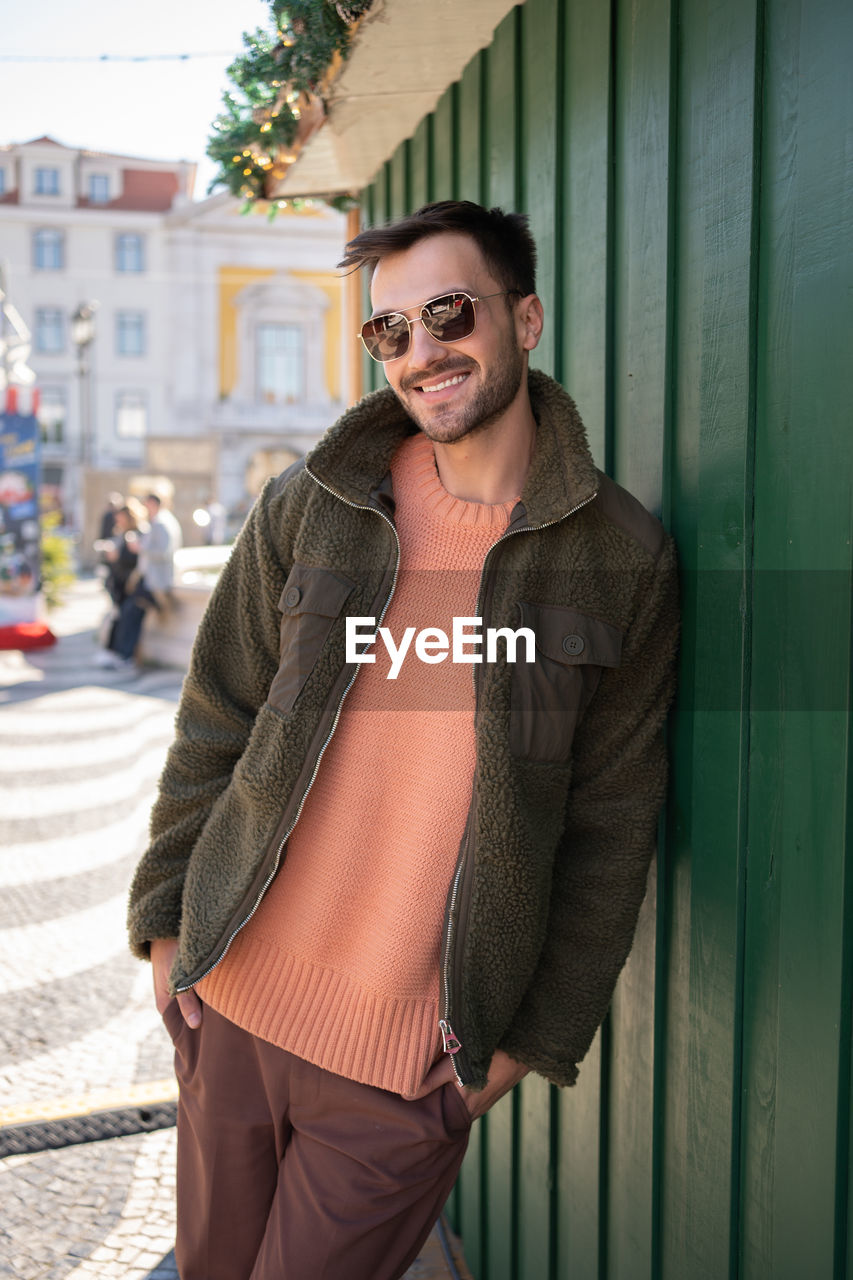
[{"x": 354, "y": 456}]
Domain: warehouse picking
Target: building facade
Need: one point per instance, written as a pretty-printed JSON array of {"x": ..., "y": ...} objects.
[{"x": 217, "y": 347}]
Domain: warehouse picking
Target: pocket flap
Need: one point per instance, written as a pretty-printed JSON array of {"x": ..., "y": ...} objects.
[
  {"x": 314, "y": 590},
  {"x": 568, "y": 636}
]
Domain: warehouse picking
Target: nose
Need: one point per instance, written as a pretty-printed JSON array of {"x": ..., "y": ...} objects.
[{"x": 423, "y": 348}]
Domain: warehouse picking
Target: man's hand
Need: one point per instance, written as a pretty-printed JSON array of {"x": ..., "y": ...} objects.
[
  {"x": 163, "y": 952},
  {"x": 504, "y": 1073}
]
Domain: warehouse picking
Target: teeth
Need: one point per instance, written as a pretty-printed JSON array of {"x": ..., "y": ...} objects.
[{"x": 450, "y": 382}]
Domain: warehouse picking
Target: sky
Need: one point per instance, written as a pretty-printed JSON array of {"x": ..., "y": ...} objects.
[{"x": 161, "y": 110}]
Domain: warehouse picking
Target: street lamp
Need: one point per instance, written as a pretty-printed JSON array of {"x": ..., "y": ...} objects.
[{"x": 83, "y": 335}]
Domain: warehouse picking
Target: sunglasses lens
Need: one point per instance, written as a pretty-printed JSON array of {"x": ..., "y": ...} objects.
[
  {"x": 450, "y": 318},
  {"x": 447, "y": 319},
  {"x": 386, "y": 337}
]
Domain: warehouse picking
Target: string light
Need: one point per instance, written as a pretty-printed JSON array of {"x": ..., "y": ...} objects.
[{"x": 306, "y": 39}]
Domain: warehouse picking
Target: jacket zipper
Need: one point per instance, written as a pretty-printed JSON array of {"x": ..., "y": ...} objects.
[
  {"x": 358, "y": 507},
  {"x": 451, "y": 1044}
]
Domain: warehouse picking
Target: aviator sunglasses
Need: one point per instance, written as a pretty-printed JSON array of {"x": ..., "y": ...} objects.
[{"x": 449, "y": 318}]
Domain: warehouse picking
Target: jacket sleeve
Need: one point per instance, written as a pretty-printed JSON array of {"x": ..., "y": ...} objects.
[
  {"x": 599, "y": 879},
  {"x": 234, "y": 660}
]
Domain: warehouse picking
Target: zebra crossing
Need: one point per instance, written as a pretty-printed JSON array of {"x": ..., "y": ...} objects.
[{"x": 81, "y": 749}]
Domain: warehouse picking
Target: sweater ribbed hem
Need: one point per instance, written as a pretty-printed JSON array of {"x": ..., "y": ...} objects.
[{"x": 326, "y": 1018}]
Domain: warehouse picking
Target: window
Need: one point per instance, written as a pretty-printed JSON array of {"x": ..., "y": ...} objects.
[
  {"x": 2, "y": 182},
  {"x": 131, "y": 414},
  {"x": 50, "y": 330},
  {"x": 47, "y": 182},
  {"x": 48, "y": 249},
  {"x": 130, "y": 333},
  {"x": 130, "y": 253},
  {"x": 99, "y": 188},
  {"x": 280, "y": 363},
  {"x": 52, "y": 413}
]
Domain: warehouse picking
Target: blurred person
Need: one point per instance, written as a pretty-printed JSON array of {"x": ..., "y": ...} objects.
[
  {"x": 115, "y": 502},
  {"x": 156, "y": 569},
  {"x": 106, "y": 529},
  {"x": 121, "y": 556}
]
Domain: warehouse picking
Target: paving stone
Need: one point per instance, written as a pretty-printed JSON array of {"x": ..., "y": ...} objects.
[{"x": 102, "y": 1210}]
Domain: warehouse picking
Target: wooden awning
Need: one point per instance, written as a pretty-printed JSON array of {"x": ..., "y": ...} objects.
[{"x": 404, "y": 55}]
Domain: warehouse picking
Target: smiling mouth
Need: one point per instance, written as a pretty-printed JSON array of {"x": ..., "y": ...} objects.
[{"x": 452, "y": 381}]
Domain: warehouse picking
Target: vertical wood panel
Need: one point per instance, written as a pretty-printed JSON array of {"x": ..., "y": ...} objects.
[
  {"x": 587, "y": 163},
  {"x": 421, "y": 163},
  {"x": 502, "y": 176},
  {"x": 640, "y": 298},
  {"x": 398, "y": 182},
  {"x": 641, "y": 233},
  {"x": 473, "y": 132},
  {"x": 470, "y": 1208},
  {"x": 500, "y": 1235},
  {"x": 538, "y": 194},
  {"x": 717, "y": 195},
  {"x": 795, "y": 927},
  {"x": 579, "y": 1172},
  {"x": 445, "y": 147},
  {"x": 584, "y": 139},
  {"x": 383, "y": 193},
  {"x": 535, "y": 1179}
]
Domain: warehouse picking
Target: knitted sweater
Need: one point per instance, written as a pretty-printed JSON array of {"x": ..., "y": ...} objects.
[{"x": 340, "y": 963}]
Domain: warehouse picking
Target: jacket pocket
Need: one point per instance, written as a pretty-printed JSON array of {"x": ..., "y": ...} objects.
[
  {"x": 550, "y": 695},
  {"x": 311, "y": 601}
]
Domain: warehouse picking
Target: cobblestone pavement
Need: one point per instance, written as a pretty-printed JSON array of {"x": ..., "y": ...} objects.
[{"x": 80, "y": 752}]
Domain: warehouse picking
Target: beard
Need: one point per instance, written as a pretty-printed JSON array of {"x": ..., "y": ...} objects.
[{"x": 446, "y": 424}]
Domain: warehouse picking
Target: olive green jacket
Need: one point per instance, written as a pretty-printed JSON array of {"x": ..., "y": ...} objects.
[{"x": 570, "y": 770}]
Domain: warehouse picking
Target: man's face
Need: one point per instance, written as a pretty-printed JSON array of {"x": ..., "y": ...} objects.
[{"x": 452, "y": 389}]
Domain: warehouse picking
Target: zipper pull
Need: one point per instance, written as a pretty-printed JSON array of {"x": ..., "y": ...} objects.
[{"x": 449, "y": 1042}]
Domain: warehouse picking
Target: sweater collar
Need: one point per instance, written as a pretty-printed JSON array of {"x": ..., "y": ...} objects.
[{"x": 354, "y": 456}]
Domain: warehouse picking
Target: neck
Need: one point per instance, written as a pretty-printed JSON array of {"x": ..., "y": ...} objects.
[{"x": 490, "y": 465}]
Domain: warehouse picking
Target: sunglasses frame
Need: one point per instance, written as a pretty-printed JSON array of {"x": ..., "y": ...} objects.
[{"x": 454, "y": 293}]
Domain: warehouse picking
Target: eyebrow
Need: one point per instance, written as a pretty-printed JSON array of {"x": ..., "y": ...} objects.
[{"x": 393, "y": 311}]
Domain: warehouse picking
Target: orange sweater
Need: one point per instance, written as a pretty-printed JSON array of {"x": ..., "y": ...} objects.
[{"x": 340, "y": 964}]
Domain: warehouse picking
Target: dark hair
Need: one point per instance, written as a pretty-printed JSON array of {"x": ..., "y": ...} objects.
[
  {"x": 504, "y": 240},
  {"x": 131, "y": 515}
]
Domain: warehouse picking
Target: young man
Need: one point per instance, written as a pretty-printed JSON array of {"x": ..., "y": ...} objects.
[{"x": 385, "y": 881}]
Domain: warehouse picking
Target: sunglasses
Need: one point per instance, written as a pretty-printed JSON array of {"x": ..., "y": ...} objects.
[{"x": 449, "y": 318}]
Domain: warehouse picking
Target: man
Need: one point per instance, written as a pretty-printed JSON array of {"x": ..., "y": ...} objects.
[
  {"x": 157, "y": 547},
  {"x": 385, "y": 881}
]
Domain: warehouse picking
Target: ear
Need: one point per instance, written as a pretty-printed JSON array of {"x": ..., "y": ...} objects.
[{"x": 530, "y": 320}]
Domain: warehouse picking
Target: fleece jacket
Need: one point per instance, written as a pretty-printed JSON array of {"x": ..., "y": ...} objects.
[{"x": 570, "y": 761}]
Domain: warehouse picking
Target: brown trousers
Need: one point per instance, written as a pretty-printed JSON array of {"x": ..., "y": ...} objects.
[{"x": 288, "y": 1172}]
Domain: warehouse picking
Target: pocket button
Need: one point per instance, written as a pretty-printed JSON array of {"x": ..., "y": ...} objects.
[
  {"x": 573, "y": 645},
  {"x": 292, "y": 597}
]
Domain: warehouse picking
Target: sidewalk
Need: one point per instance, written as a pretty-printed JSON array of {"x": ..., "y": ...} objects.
[{"x": 81, "y": 749}]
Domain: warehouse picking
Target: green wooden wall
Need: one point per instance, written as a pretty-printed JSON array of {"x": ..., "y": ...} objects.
[{"x": 688, "y": 169}]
